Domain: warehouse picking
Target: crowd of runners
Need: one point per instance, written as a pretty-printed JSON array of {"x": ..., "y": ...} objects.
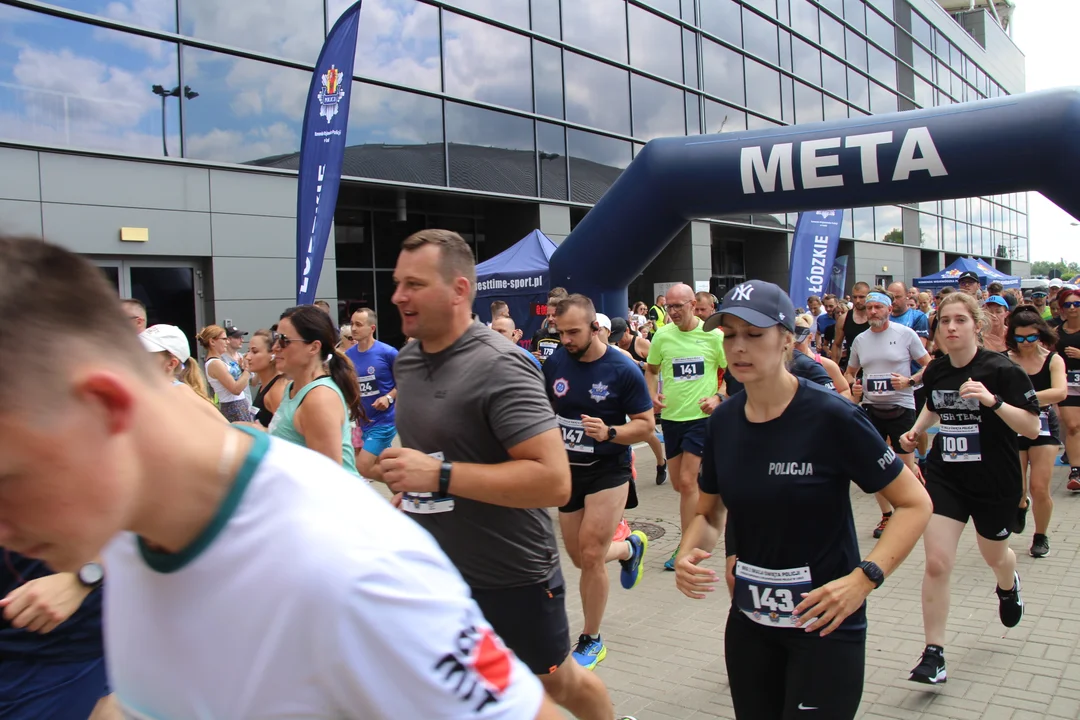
[{"x": 191, "y": 537}]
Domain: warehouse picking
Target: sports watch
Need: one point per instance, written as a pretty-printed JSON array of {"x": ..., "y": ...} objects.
[
  {"x": 873, "y": 572},
  {"x": 91, "y": 575},
  {"x": 998, "y": 402},
  {"x": 611, "y": 433}
]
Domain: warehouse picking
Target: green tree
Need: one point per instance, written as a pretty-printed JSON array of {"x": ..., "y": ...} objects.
[
  {"x": 896, "y": 236},
  {"x": 1055, "y": 268}
]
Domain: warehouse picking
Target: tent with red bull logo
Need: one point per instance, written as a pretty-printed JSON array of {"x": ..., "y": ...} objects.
[
  {"x": 949, "y": 277},
  {"x": 519, "y": 276}
]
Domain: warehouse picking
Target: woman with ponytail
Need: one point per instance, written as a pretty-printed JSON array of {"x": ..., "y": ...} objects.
[
  {"x": 171, "y": 348},
  {"x": 317, "y": 407}
]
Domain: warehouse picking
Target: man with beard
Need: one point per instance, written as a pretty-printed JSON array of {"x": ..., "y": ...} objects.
[{"x": 851, "y": 324}]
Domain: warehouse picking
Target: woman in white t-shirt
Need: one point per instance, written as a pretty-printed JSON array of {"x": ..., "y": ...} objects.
[{"x": 228, "y": 381}]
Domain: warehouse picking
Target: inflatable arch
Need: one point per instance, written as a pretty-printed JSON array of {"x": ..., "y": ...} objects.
[{"x": 1012, "y": 144}]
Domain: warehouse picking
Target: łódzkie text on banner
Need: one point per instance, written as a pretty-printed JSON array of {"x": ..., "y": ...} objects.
[
  {"x": 817, "y": 235},
  {"x": 322, "y": 151}
]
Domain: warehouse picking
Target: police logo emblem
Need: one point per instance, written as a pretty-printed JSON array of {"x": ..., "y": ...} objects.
[
  {"x": 560, "y": 387},
  {"x": 599, "y": 392},
  {"x": 371, "y": 370},
  {"x": 332, "y": 93}
]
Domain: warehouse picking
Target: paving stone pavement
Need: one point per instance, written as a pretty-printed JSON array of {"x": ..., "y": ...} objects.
[{"x": 665, "y": 651}]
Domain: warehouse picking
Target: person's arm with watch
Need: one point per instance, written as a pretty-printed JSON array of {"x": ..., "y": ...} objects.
[
  {"x": 385, "y": 402},
  {"x": 637, "y": 430},
  {"x": 916, "y": 379},
  {"x": 1023, "y": 421},
  {"x": 42, "y": 604}
]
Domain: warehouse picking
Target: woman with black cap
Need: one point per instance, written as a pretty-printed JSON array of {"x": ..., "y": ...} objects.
[{"x": 798, "y": 586}]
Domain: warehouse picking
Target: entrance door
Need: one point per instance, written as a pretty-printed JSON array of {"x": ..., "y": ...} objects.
[
  {"x": 883, "y": 281},
  {"x": 172, "y": 291}
]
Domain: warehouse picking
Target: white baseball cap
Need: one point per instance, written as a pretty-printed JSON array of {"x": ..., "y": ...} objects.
[
  {"x": 603, "y": 321},
  {"x": 167, "y": 338},
  {"x": 1056, "y": 282}
]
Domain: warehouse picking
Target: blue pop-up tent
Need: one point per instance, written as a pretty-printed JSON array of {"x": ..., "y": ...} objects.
[
  {"x": 518, "y": 275},
  {"x": 949, "y": 276}
]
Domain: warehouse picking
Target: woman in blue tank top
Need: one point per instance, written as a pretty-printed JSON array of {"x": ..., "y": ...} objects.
[{"x": 323, "y": 399}]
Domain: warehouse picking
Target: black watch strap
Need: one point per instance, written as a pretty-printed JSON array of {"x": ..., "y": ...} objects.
[
  {"x": 873, "y": 572},
  {"x": 444, "y": 479},
  {"x": 998, "y": 402}
]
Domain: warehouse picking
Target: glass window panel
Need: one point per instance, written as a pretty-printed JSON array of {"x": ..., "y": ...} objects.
[
  {"x": 836, "y": 6},
  {"x": 688, "y": 13},
  {"x": 832, "y": 35},
  {"x": 940, "y": 44},
  {"x": 855, "y": 14},
  {"x": 652, "y": 39},
  {"x": 889, "y": 224},
  {"x": 597, "y": 94},
  {"x": 806, "y": 60},
  {"x": 880, "y": 31},
  {"x": 546, "y": 18},
  {"x": 787, "y": 99},
  {"x": 948, "y": 235},
  {"x": 657, "y": 110},
  {"x": 595, "y": 163},
  {"x": 753, "y": 122},
  {"x": 920, "y": 30},
  {"x": 394, "y": 135},
  {"x": 884, "y": 6},
  {"x": 723, "y": 72},
  {"x": 71, "y": 84},
  {"x": 962, "y": 209},
  {"x": 548, "y": 77},
  {"x": 807, "y": 104},
  {"x": 856, "y": 50},
  {"x": 511, "y": 12},
  {"x": 785, "y": 50},
  {"x": 720, "y": 118},
  {"x": 153, "y": 14},
  {"x": 942, "y": 76},
  {"x": 671, "y": 7},
  {"x": 963, "y": 238},
  {"x": 804, "y": 18},
  {"x": 597, "y": 25},
  {"x": 783, "y": 15},
  {"x": 762, "y": 89},
  {"x": 352, "y": 239},
  {"x": 551, "y": 144},
  {"x": 922, "y": 62},
  {"x": 759, "y": 36},
  {"x": 834, "y": 109},
  {"x": 766, "y": 6},
  {"x": 356, "y": 287},
  {"x": 287, "y": 28},
  {"x": 690, "y": 59},
  {"x": 247, "y": 111},
  {"x": 402, "y": 47},
  {"x": 693, "y": 114},
  {"x": 928, "y": 231},
  {"x": 833, "y": 75},
  {"x": 858, "y": 89},
  {"x": 863, "y": 219},
  {"x": 490, "y": 150},
  {"x": 722, "y": 18},
  {"x": 486, "y": 63},
  {"x": 882, "y": 67}
]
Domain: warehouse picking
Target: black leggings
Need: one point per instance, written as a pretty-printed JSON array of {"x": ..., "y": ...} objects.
[{"x": 788, "y": 674}]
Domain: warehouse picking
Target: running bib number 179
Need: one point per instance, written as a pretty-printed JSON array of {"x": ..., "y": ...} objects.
[{"x": 769, "y": 597}]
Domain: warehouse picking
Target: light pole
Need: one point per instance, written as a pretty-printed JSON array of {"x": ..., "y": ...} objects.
[{"x": 163, "y": 93}]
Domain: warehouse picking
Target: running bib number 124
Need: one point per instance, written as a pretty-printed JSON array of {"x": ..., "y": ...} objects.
[{"x": 769, "y": 597}]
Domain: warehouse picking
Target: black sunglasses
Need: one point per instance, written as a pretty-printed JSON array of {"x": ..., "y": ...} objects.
[{"x": 284, "y": 340}]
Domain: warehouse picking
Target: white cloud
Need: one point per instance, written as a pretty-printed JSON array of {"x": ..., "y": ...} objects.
[{"x": 235, "y": 146}]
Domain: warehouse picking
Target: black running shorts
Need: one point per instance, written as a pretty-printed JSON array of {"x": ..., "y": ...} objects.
[
  {"x": 1053, "y": 439},
  {"x": 609, "y": 471},
  {"x": 992, "y": 520},
  {"x": 531, "y": 620},
  {"x": 684, "y": 436},
  {"x": 891, "y": 428},
  {"x": 788, "y": 674}
]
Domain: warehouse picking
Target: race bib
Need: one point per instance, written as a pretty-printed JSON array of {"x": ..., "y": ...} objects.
[
  {"x": 689, "y": 368},
  {"x": 426, "y": 503},
  {"x": 546, "y": 347},
  {"x": 877, "y": 384},
  {"x": 368, "y": 387},
  {"x": 574, "y": 437},
  {"x": 960, "y": 443},
  {"x": 1044, "y": 423},
  {"x": 769, "y": 597},
  {"x": 1072, "y": 378}
]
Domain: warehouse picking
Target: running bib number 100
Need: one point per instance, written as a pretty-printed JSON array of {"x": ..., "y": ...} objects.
[
  {"x": 769, "y": 597},
  {"x": 960, "y": 443}
]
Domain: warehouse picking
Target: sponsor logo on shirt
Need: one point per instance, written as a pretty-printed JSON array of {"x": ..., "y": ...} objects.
[
  {"x": 477, "y": 670},
  {"x": 560, "y": 387},
  {"x": 599, "y": 392},
  {"x": 371, "y": 370},
  {"x": 1029, "y": 394},
  {"x": 791, "y": 468},
  {"x": 887, "y": 459}
]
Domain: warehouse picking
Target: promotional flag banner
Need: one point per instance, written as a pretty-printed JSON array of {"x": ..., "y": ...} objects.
[
  {"x": 813, "y": 250},
  {"x": 838, "y": 279}
]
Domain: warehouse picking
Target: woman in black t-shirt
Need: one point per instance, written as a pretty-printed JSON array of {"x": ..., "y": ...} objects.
[
  {"x": 796, "y": 631},
  {"x": 1068, "y": 346},
  {"x": 981, "y": 400}
]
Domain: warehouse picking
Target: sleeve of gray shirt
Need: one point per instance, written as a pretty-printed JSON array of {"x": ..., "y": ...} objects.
[
  {"x": 915, "y": 346},
  {"x": 518, "y": 406}
]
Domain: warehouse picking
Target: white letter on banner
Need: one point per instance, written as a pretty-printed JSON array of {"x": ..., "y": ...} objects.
[
  {"x": 817, "y": 265},
  {"x": 754, "y": 165},
  {"x": 811, "y": 162},
  {"x": 918, "y": 138},
  {"x": 868, "y": 145}
]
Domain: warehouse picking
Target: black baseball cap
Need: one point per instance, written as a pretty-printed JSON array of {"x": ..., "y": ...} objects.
[
  {"x": 968, "y": 275},
  {"x": 618, "y": 329},
  {"x": 234, "y": 332},
  {"x": 760, "y": 303}
]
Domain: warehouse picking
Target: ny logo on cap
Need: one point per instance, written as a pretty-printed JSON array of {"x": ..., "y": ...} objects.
[{"x": 742, "y": 292}]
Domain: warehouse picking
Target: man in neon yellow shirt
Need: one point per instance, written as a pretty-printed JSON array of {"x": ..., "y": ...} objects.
[{"x": 688, "y": 359}]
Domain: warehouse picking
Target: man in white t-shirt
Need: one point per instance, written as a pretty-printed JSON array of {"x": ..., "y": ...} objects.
[{"x": 241, "y": 584}]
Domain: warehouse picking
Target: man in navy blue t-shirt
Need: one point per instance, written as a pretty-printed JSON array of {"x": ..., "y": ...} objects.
[
  {"x": 594, "y": 388},
  {"x": 374, "y": 363}
]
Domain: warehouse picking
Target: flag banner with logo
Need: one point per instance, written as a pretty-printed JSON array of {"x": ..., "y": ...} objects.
[
  {"x": 813, "y": 250},
  {"x": 322, "y": 151},
  {"x": 838, "y": 279}
]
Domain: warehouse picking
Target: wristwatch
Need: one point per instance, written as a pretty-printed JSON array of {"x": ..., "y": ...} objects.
[
  {"x": 91, "y": 575},
  {"x": 390, "y": 399},
  {"x": 611, "y": 433},
  {"x": 873, "y": 572},
  {"x": 444, "y": 479},
  {"x": 998, "y": 402}
]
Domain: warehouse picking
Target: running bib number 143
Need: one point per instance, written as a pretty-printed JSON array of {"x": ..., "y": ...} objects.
[{"x": 769, "y": 597}]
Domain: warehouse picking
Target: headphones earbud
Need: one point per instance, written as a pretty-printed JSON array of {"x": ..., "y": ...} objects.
[{"x": 595, "y": 326}]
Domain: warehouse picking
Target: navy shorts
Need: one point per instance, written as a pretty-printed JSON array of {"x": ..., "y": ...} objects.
[
  {"x": 50, "y": 691},
  {"x": 684, "y": 436}
]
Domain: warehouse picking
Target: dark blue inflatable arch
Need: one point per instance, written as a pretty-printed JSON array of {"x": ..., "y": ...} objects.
[{"x": 1012, "y": 144}]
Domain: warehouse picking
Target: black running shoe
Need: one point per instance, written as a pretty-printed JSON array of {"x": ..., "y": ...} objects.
[
  {"x": 661, "y": 474},
  {"x": 881, "y": 525},
  {"x": 1074, "y": 480},
  {"x": 1010, "y": 604},
  {"x": 931, "y": 669},
  {"x": 1021, "y": 518},
  {"x": 1040, "y": 546}
]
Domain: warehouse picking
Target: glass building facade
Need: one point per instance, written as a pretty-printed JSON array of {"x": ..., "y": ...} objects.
[{"x": 542, "y": 101}]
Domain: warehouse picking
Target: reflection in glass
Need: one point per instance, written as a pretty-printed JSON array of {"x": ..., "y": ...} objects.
[
  {"x": 882, "y": 67},
  {"x": 511, "y": 12},
  {"x": 654, "y": 42},
  {"x": 948, "y": 235},
  {"x": 833, "y": 75},
  {"x": 759, "y": 36},
  {"x": 836, "y": 6},
  {"x": 889, "y": 223},
  {"x": 546, "y": 18},
  {"x": 762, "y": 89},
  {"x": 595, "y": 163},
  {"x": 722, "y": 18},
  {"x": 490, "y": 150},
  {"x": 832, "y": 35},
  {"x": 597, "y": 25},
  {"x": 153, "y": 14},
  {"x": 70, "y": 84},
  {"x": 394, "y": 135},
  {"x": 920, "y": 30},
  {"x": 855, "y": 14},
  {"x": 723, "y": 72},
  {"x": 858, "y": 89},
  {"x": 286, "y": 28},
  {"x": 806, "y": 60},
  {"x": 922, "y": 62},
  {"x": 785, "y": 50},
  {"x": 863, "y": 219},
  {"x": 693, "y": 114},
  {"x": 356, "y": 288},
  {"x": 551, "y": 146},
  {"x": 963, "y": 238},
  {"x": 597, "y": 94},
  {"x": 352, "y": 239},
  {"x": 928, "y": 231},
  {"x": 248, "y": 111},
  {"x": 753, "y": 122},
  {"x": 880, "y": 31},
  {"x": 804, "y": 18},
  {"x": 486, "y": 63},
  {"x": 402, "y": 47},
  {"x": 856, "y": 50},
  {"x": 807, "y": 104},
  {"x": 657, "y": 110},
  {"x": 548, "y": 77},
  {"x": 720, "y": 118},
  {"x": 671, "y": 7},
  {"x": 690, "y": 59},
  {"x": 766, "y": 6},
  {"x": 834, "y": 109}
]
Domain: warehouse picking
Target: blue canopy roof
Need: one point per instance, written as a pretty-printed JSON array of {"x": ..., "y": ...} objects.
[
  {"x": 521, "y": 269},
  {"x": 949, "y": 276}
]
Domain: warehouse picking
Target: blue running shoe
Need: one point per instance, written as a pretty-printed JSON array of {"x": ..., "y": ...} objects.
[
  {"x": 589, "y": 653},
  {"x": 670, "y": 564},
  {"x": 633, "y": 568}
]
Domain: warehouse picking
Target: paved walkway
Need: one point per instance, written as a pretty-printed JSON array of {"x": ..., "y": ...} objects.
[{"x": 665, "y": 651}]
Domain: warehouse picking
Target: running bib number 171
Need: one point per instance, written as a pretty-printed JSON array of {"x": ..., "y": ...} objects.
[{"x": 769, "y": 597}]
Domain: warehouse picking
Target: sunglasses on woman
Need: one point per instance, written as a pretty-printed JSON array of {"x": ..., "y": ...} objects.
[
  {"x": 1071, "y": 304},
  {"x": 284, "y": 340},
  {"x": 1026, "y": 338}
]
